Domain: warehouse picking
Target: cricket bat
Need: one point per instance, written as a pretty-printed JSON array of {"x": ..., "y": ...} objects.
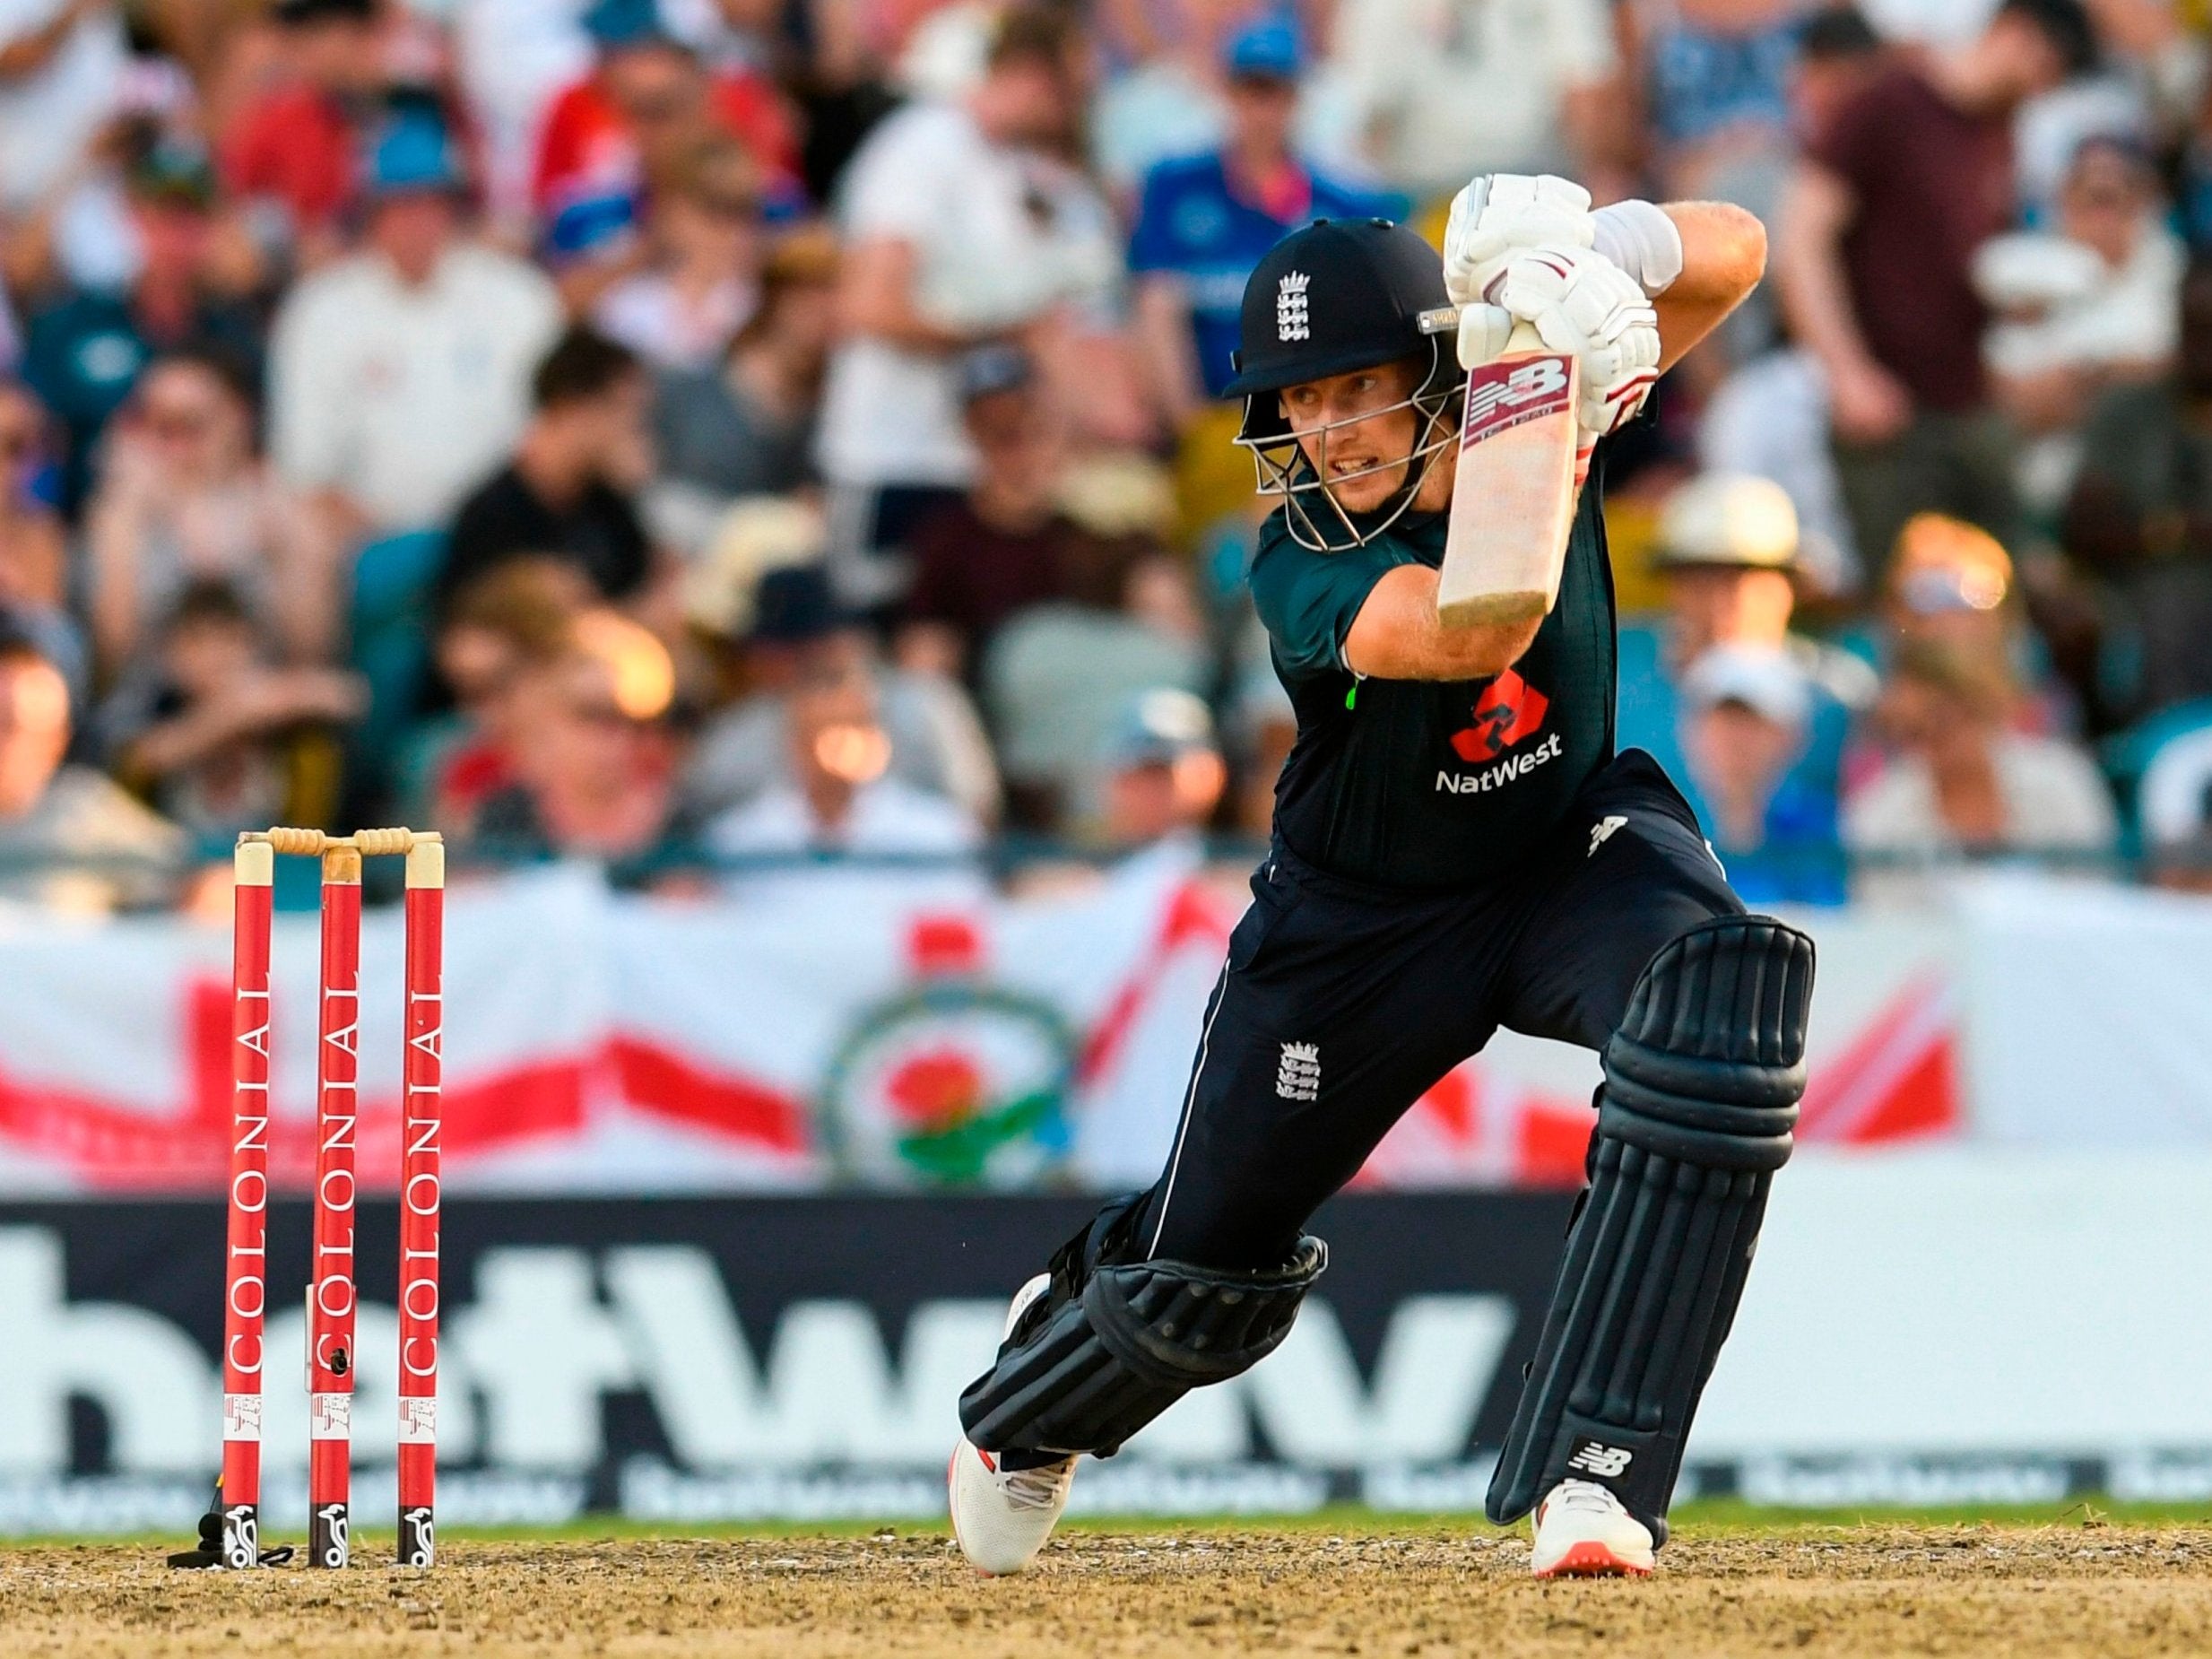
[{"x": 1512, "y": 498}]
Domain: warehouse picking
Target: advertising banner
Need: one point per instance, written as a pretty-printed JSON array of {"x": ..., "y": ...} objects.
[{"x": 1918, "y": 1331}]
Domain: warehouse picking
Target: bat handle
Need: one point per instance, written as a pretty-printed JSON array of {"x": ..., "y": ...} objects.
[{"x": 1444, "y": 319}]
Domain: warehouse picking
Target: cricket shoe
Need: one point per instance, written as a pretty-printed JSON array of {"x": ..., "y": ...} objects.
[
  {"x": 1583, "y": 1532},
  {"x": 1001, "y": 1515}
]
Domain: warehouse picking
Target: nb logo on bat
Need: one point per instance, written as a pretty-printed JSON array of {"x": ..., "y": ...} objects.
[{"x": 1507, "y": 394}]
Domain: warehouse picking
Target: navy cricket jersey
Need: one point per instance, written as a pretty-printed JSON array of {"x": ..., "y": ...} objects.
[{"x": 1432, "y": 783}]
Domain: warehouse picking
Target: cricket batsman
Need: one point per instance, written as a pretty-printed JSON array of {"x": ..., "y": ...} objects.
[{"x": 1457, "y": 846}]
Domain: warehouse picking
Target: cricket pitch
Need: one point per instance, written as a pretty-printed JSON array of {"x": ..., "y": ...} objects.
[{"x": 2112, "y": 1591}]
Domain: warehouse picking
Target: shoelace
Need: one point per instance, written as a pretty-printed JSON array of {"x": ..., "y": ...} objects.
[
  {"x": 1040, "y": 1488},
  {"x": 1585, "y": 1497}
]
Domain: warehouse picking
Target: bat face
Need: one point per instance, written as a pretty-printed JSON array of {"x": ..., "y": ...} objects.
[{"x": 1513, "y": 497}]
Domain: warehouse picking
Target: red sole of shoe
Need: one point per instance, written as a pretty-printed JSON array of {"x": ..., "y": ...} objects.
[{"x": 1593, "y": 1561}]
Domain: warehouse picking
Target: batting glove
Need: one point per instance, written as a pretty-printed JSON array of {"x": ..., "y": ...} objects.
[
  {"x": 1484, "y": 330},
  {"x": 1582, "y": 304},
  {"x": 1502, "y": 213}
]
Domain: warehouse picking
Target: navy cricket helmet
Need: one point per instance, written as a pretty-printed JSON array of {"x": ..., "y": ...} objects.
[{"x": 1338, "y": 296}]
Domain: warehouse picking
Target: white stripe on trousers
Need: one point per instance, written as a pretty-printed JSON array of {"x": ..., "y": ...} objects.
[{"x": 1190, "y": 1104}]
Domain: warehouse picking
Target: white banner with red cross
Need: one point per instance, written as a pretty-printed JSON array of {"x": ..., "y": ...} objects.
[{"x": 831, "y": 1031}]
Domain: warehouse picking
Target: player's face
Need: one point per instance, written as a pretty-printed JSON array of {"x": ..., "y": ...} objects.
[{"x": 1358, "y": 431}]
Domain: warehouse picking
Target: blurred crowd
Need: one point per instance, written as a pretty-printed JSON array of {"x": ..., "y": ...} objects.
[{"x": 696, "y": 435}]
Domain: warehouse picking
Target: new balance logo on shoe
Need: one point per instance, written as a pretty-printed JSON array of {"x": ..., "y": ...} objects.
[
  {"x": 1298, "y": 1077},
  {"x": 1607, "y": 1463}
]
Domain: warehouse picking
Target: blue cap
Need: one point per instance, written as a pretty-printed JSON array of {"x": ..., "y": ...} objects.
[
  {"x": 1159, "y": 727},
  {"x": 990, "y": 369},
  {"x": 412, "y": 151},
  {"x": 612, "y": 23},
  {"x": 1267, "y": 48}
]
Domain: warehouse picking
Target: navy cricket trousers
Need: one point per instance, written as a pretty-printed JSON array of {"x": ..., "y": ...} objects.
[{"x": 1341, "y": 1003}]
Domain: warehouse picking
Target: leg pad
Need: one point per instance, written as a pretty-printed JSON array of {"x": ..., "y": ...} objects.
[
  {"x": 1701, "y": 1089},
  {"x": 1112, "y": 1347}
]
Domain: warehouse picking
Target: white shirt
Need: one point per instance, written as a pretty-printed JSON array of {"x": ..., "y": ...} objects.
[
  {"x": 888, "y": 819},
  {"x": 1445, "y": 89},
  {"x": 406, "y": 398},
  {"x": 48, "y": 117},
  {"x": 2055, "y": 800},
  {"x": 1770, "y": 418},
  {"x": 2130, "y": 315},
  {"x": 2176, "y": 801},
  {"x": 647, "y": 314},
  {"x": 998, "y": 236}
]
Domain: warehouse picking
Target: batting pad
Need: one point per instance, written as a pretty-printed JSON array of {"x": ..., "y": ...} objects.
[
  {"x": 1138, "y": 1337},
  {"x": 1702, "y": 1083}
]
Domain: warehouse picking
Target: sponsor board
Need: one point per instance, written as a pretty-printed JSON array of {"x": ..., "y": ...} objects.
[{"x": 690, "y": 1360}]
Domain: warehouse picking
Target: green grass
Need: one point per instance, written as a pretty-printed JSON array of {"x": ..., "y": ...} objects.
[{"x": 1704, "y": 1515}]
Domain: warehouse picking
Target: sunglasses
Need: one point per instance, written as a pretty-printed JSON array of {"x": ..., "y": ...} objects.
[
  {"x": 177, "y": 426},
  {"x": 1938, "y": 592}
]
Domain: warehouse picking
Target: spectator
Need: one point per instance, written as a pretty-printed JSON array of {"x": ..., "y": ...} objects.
[
  {"x": 597, "y": 757},
  {"x": 85, "y": 351},
  {"x": 1716, "y": 83},
  {"x": 1205, "y": 221},
  {"x": 1163, "y": 776},
  {"x": 568, "y": 492},
  {"x": 520, "y": 615},
  {"x": 1769, "y": 418},
  {"x": 842, "y": 800},
  {"x": 1838, "y": 53},
  {"x": 2093, "y": 306},
  {"x": 295, "y": 149},
  {"x": 1163, "y": 97},
  {"x": 961, "y": 229},
  {"x": 61, "y": 71},
  {"x": 1055, "y": 676},
  {"x": 2139, "y": 521},
  {"x": 2174, "y": 805},
  {"x": 745, "y": 426},
  {"x": 222, "y": 738},
  {"x": 1728, "y": 551},
  {"x": 698, "y": 282},
  {"x": 1950, "y": 585},
  {"x": 1439, "y": 92},
  {"x": 70, "y": 837},
  {"x": 1878, "y": 238},
  {"x": 1960, "y": 780},
  {"x": 34, "y": 573},
  {"x": 626, "y": 128},
  {"x": 1745, "y": 730},
  {"x": 1005, "y": 545},
  {"x": 182, "y": 499},
  {"x": 398, "y": 377},
  {"x": 798, "y": 636}
]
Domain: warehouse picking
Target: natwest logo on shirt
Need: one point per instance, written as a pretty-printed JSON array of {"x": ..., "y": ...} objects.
[{"x": 1509, "y": 710}]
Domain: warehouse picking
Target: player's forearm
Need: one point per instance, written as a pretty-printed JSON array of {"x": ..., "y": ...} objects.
[
  {"x": 1723, "y": 253},
  {"x": 1723, "y": 258},
  {"x": 1396, "y": 635}
]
